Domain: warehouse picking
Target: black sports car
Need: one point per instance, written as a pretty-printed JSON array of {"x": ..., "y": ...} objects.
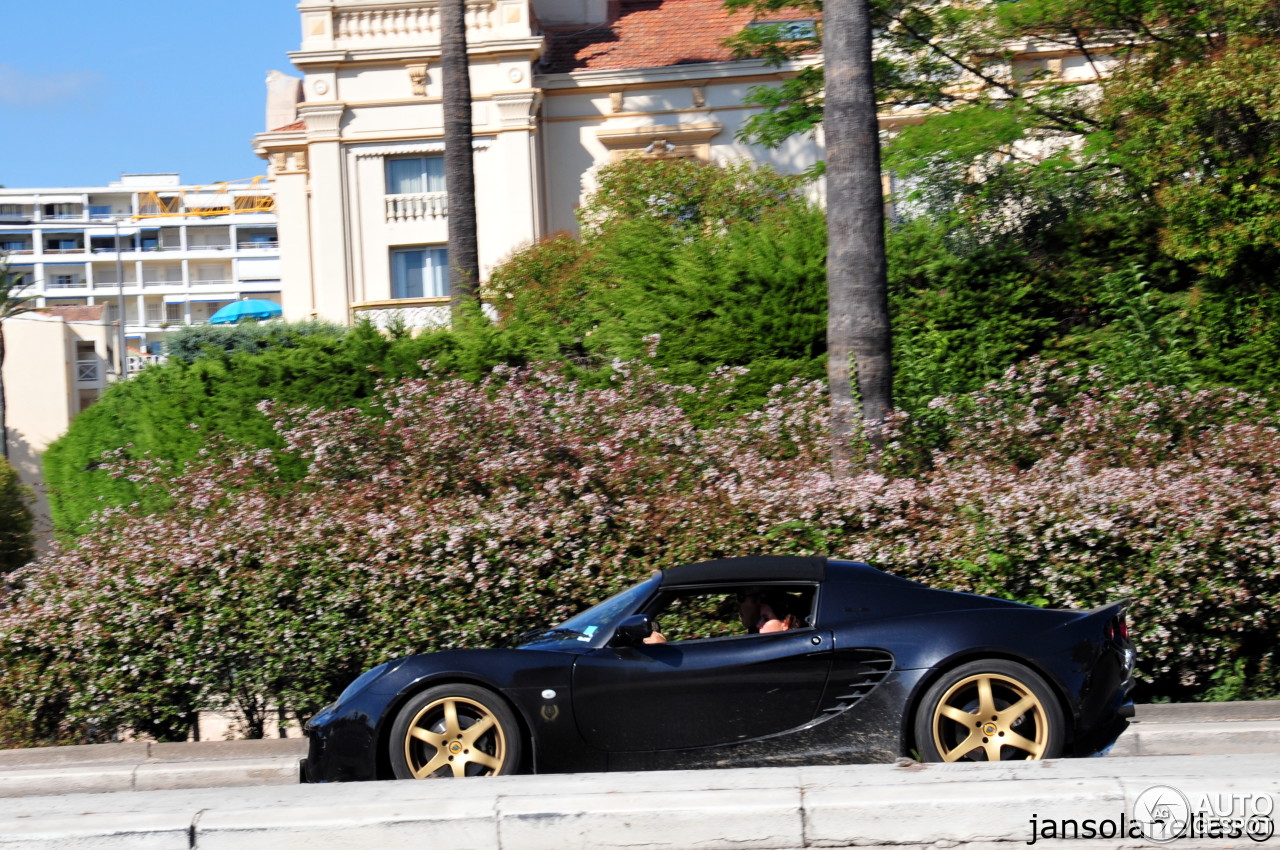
[{"x": 745, "y": 662}]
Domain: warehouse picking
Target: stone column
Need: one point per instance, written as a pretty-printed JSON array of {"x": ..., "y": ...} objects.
[{"x": 329, "y": 245}]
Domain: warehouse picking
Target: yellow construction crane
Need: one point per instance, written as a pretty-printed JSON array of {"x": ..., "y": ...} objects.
[{"x": 212, "y": 200}]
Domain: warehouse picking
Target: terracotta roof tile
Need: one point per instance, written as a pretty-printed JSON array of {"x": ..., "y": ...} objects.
[
  {"x": 296, "y": 125},
  {"x": 91, "y": 313},
  {"x": 649, "y": 34}
]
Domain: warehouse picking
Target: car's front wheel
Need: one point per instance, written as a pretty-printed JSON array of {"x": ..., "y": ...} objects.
[
  {"x": 989, "y": 710},
  {"x": 454, "y": 731}
]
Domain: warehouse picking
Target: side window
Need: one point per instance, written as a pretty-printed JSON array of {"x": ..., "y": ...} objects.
[
  {"x": 696, "y": 616},
  {"x": 729, "y": 612}
]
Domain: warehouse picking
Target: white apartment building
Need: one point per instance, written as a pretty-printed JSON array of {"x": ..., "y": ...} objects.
[
  {"x": 159, "y": 253},
  {"x": 165, "y": 253},
  {"x": 559, "y": 87}
]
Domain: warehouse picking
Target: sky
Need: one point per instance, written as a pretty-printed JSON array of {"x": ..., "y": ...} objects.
[{"x": 91, "y": 90}]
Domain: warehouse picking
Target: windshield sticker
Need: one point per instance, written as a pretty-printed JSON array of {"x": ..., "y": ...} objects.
[{"x": 587, "y": 633}]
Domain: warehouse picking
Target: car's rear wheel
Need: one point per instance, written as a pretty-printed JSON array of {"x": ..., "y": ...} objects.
[
  {"x": 454, "y": 731},
  {"x": 989, "y": 710}
]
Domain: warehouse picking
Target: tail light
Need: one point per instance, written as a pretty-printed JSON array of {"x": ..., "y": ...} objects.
[{"x": 1118, "y": 627}]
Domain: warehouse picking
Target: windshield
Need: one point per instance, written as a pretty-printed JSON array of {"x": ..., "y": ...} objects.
[{"x": 596, "y": 620}]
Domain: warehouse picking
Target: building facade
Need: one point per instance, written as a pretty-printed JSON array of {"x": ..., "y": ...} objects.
[
  {"x": 57, "y": 362},
  {"x": 162, "y": 254},
  {"x": 559, "y": 88}
]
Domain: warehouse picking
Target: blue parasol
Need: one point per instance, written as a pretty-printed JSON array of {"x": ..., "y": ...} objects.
[{"x": 250, "y": 308}]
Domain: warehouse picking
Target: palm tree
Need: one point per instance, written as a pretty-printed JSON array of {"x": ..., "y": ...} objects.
[
  {"x": 857, "y": 279},
  {"x": 459, "y": 174},
  {"x": 12, "y": 303}
]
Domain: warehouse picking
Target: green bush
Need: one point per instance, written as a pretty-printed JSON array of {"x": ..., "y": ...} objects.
[
  {"x": 17, "y": 542},
  {"x": 190, "y": 343},
  {"x": 461, "y": 514},
  {"x": 170, "y": 412}
]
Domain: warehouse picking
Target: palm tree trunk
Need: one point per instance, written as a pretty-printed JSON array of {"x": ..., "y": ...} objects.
[
  {"x": 857, "y": 281},
  {"x": 459, "y": 173}
]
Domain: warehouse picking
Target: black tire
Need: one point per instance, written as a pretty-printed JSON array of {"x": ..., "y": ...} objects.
[
  {"x": 1022, "y": 718},
  {"x": 431, "y": 739}
]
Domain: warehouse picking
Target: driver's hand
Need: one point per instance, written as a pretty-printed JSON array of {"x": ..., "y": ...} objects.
[{"x": 655, "y": 637}]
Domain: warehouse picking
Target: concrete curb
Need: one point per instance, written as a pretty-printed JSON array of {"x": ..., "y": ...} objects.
[
  {"x": 140, "y": 752},
  {"x": 101, "y": 778},
  {"x": 760, "y": 809},
  {"x": 1205, "y": 738}
]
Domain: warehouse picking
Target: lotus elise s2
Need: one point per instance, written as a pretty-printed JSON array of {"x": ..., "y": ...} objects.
[{"x": 745, "y": 662}]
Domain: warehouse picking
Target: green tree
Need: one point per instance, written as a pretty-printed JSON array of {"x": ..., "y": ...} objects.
[
  {"x": 725, "y": 265},
  {"x": 17, "y": 544},
  {"x": 1198, "y": 129}
]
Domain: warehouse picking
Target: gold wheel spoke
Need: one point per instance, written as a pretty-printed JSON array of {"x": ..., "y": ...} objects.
[
  {"x": 986, "y": 703},
  {"x": 965, "y": 747},
  {"x": 459, "y": 766},
  {"x": 475, "y": 730},
  {"x": 1018, "y": 709},
  {"x": 992, "y": 746},
  {"x": 440, "y": 760},
  {"x": 485, "y": 760},
  {"x": 432, "y": 738},
  {"x": 451, "y": 727},
  {"x": 959, "y": 715},
  {"x": 1013, "y": 739}
]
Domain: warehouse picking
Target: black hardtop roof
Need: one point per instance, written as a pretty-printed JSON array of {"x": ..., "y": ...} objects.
[{"x": 757, "y": 568}]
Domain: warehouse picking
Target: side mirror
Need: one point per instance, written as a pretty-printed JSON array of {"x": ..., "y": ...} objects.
[{"x": 635, "y": 628}]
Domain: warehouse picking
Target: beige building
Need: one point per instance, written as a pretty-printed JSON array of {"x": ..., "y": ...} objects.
[
  {"x": 559, "y": 87},
  {"x": 75, "y": 348}
]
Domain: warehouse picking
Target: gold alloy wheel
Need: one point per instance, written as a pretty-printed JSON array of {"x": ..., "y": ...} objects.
[
  {"x": 455, "y": 736},
  {"x": 981, "y": 715}
]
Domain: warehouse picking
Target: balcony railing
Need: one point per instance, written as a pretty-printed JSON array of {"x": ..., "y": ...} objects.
[
  {"x": 417, "y": 207},
  {"x": 219, "y": 247},
  {"x": 88, "y": 372},
  {"x": 75, "y": 284},
  {"x": 412, "y": 313},
  {"x": 211, "y": 283},
  {"x": 265, "y": 246},
  {"x": 138, "y": 362}
]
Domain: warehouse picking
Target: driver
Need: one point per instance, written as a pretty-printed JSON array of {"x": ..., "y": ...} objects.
[{"x": 766, "y": 612}]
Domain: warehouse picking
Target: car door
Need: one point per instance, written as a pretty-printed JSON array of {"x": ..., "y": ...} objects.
[{"x": 697, "y": 693}]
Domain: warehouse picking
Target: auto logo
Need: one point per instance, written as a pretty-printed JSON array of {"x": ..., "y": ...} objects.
[
  {"x": 989, "y": 729},
  {"x": 1162, "y": 813},
  {"x": 455, "y": 747},
  {"x": 550, "y": 712}
]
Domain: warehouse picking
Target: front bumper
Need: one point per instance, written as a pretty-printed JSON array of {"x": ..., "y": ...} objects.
[{"x": 340, "y": 748}]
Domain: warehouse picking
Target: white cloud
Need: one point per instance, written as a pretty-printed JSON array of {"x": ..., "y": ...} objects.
[{"x": 21, "y": 88}]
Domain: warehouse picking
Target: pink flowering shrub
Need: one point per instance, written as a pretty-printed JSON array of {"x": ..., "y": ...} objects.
[{"x": 464, "y": 514}]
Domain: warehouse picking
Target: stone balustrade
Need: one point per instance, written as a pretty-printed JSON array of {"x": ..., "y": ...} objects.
[
  {"x": 417, "y": 207},
  {"x": 353, "y": 27}
]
